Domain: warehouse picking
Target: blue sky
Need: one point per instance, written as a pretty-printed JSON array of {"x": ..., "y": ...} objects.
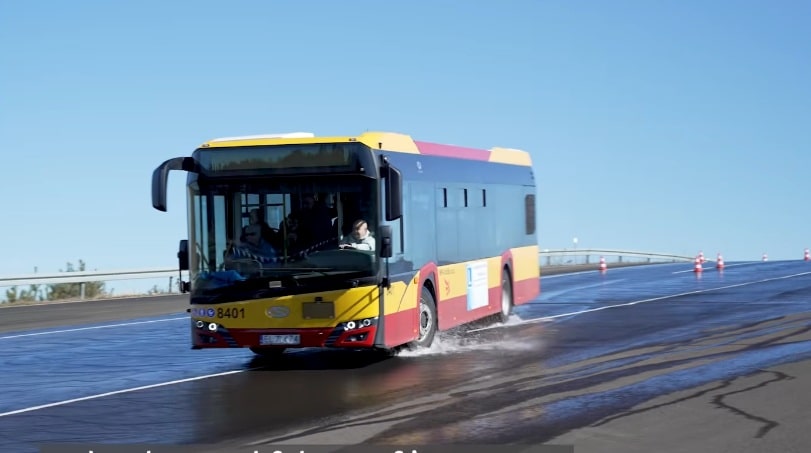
[{"x": 657, "y": 126}]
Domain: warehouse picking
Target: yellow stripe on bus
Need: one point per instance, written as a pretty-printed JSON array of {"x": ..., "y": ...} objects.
[
  {"x": 389, "y": 141},
  {"x": 510, "y": 156},
  {"x": 288, "y": 311},
  {"x": 525, "y": 262}
]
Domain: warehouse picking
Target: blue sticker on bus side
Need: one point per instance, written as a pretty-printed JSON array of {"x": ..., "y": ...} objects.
[{"x": 210, "y": 312}]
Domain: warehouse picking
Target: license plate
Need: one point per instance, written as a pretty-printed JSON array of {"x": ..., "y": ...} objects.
[{"x": 280, "y": 339}]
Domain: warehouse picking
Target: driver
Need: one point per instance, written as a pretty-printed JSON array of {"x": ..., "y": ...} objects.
[{"x": 360, "y": 239}]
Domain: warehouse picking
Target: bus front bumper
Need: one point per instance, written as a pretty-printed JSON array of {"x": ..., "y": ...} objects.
[{"x": 352, "y": 334}]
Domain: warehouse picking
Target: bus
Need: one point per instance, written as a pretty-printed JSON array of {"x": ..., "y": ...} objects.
[{"x": 374, "y": 241}]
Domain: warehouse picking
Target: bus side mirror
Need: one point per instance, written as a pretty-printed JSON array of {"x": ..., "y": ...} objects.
[
  {"x": 393, "y": 181},
  {"x": 183, "y": 255},
  {"x": 385, "y": 241},
  {"x": 160, "y": 178}
]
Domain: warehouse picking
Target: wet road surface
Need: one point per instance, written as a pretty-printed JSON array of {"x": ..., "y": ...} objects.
[
  {"x": 22, "y": 317},
  {"x": 646, "y": 358}
]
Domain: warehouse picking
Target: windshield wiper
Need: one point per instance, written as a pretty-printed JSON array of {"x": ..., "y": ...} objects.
[
  {"x": 297, "y": 269},
  {"x": 286, "y": 271}
]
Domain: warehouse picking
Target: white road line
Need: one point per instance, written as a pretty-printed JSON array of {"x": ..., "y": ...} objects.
[
  {"x": 78, "y": 329},
  {"x": 710, "y": 265},
  {"x": 628, "y": 304},
  {"x": 545, "y": 277},
  {"x": 118, "y": 392},
  {"x": 594, "y": 271}
]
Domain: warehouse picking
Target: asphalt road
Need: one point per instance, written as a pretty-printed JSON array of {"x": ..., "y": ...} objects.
[
  {"x": 14, "y": 317},
  {"x": 645, "y": 358},
  {"x": 30, "y": 316}
]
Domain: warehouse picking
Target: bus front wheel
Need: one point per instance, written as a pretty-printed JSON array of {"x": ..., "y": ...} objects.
[{"x": 427, "y": 320}]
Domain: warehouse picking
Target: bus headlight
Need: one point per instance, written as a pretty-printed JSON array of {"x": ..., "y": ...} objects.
[
  {"x": 359, "y": 323},
  {"x": 200, "y": 324},
  {"x": 212, "y": 327}
]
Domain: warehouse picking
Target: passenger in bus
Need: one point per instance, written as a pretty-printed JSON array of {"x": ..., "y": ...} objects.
[
  {"x": 360, "y": 239},
  {"x": 266, "y": 231},
  {"x": 253, "y": 241},
  {"x": 314, "y": 222},
  {"x": 288, "y": 232}
]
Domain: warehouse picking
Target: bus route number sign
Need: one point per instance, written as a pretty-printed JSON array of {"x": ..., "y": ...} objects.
[{"x": 231, "y": 313}]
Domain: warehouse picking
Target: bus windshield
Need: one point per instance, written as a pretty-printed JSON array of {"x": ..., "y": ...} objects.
[{"x": 279, "y": 235}]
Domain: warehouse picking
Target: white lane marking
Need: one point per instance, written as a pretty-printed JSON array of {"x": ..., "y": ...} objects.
[
  {"x": 609, "y": 269},
  {"x": 628, "y": 304},
  {"x": 78, "y": 329},
  {"x": 711, "y": 265},
  {"x": 567, "y": 274},
  {"x": 118, "y": 392},
  {"x": 591, "y": 271}
]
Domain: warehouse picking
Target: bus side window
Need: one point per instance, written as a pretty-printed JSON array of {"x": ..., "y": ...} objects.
[{"x": 529, "y": 213}]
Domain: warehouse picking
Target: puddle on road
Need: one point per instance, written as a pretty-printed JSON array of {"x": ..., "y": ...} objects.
[{"x": 510, "y": 336}]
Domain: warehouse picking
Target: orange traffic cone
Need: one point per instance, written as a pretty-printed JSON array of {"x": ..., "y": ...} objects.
[
  {"x": 806, "y": 257},
  {"x": 701, "y": 256},
  {"x": 698, "y": 267},
  {"x": 765, "y": 257},
  {"x": 720, "y": 263},
  {"x": 603, "y": 266}
]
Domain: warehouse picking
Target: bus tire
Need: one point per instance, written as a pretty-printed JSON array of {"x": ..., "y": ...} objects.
[
  {"x": 507, "y": 303},
  {"x": 267, "y": 352},
  {"x": 427, "y": 320}
]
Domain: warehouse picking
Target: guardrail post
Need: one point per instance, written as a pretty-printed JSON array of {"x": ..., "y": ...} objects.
[{"x": 81, "y": 296}]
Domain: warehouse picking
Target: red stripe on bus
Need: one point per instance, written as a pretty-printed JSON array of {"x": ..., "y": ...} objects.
[
  {"x": 526, "y": 290},
  {"x": 453, "y": 311},
  {"x": 401, "y": 327},
  {"x": 435, "y": 149}
]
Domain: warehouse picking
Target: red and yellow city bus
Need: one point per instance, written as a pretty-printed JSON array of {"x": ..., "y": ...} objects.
[{"x": 451, "y": 239}]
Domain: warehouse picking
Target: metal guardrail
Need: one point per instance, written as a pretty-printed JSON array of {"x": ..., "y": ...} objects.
[
  {"x": 546, "y": 257},
  {"x": 561, "y": 257},
  {"x": 84, "y": 276}
]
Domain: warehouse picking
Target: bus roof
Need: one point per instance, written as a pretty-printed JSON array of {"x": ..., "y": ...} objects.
[{"x": 387, "y": 141}]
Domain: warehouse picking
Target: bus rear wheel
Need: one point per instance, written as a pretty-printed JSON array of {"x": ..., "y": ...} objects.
[
  {"x": 427, "y": 320},
  {"x": 506, "y": 297}
]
